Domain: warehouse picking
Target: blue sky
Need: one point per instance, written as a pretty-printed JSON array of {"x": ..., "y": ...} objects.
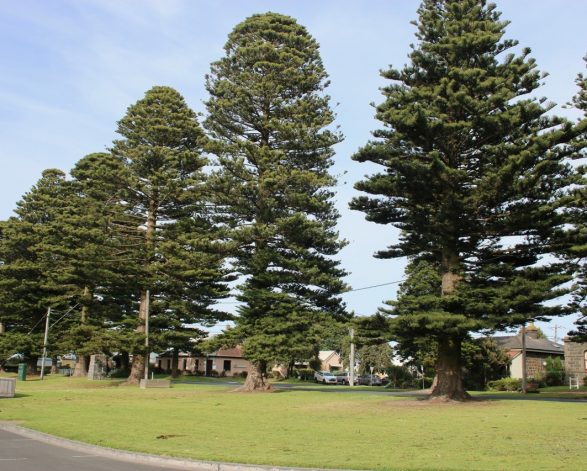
[{"x": 70, "y": 69}]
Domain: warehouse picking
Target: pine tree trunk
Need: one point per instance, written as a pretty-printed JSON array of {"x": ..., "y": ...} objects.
[
  {"x": 137, "y": 371},
  {"x": 82, "y": 362},
  {"x": 174, "y": 363},
  {"x": 53, "y": 366},
  {"x": 448, "y": 384},
  {"x": 81, "y": 366},
  {"x": 32, "y": 365},
  {"x": 256, "y": 379},
  {"x": 290, "y": 368},
  {"x": 448, "y": 381}
]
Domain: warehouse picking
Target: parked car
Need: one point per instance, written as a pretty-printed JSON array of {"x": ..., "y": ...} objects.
[
  {"x": 370, "y": 380},
  {"x": 324, "y": 377},
  {"x": 345, "y": 378}
]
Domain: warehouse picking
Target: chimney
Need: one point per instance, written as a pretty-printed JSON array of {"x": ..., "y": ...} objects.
[{"x": 532, "y": 331}]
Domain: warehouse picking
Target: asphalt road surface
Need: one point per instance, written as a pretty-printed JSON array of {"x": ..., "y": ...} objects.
[{"x": 18, "y": 453}]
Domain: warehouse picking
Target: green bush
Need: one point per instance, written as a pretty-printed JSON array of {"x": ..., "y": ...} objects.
[
  {"x": 505, "y": 384},
  {"x": 119, "y": 373},
  {"x": 305, "y": 374},
  {"x": 400, "y": 376},
  {"x": 554, "y": 372}
]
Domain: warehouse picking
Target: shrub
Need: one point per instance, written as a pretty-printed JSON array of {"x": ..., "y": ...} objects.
[
  {"x": 118, "y": 373},
  {"x": 305, "y": 374},
  {"x": 213, "y": 373},
  {"x": 400, "y": 376},
  {"x": 505, "y": 384},
  {"x": 554, "y": 372},
  {"x": 315, "y": 364}
]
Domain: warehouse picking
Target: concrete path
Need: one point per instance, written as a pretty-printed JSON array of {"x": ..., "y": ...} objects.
[
  {"x": 22, "y": 449},
  {"x": 19, "y": 453}
]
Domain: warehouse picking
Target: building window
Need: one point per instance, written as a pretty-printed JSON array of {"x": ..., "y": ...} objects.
[
  {"x": 585, "y": 360},
  {"x": 226, "y": 365}
]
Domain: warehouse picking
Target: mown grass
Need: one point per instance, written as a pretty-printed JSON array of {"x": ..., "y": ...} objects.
[{"x": 307, "y": 428}]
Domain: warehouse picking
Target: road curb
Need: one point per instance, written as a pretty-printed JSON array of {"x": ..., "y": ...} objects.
[{"x": 144, "y": 458}]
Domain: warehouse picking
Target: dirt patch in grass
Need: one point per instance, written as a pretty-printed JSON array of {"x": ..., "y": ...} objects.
[{"x": 422, "y": 402}]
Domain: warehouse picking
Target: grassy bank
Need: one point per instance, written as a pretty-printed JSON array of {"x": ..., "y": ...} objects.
[{"x": 307, "y": 428}]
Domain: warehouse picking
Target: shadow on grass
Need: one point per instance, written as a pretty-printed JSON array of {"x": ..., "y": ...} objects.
[
  {"x": 530, "y": 397},
  {"x": 18, "y": 396}
]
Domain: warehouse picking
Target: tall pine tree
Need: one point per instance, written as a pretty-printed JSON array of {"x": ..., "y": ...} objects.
[
  {"x": 161, "y": 143},
  {"x": 576, "y": 210},
  {"x": 96, "y": 252},
  {"x": 29, "y": 275},
  {"x": 471, "y": 164},
  {"x": 268, "y": 117}
]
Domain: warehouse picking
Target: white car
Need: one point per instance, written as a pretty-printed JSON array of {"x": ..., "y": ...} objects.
[{"x": 324, "y": 377}]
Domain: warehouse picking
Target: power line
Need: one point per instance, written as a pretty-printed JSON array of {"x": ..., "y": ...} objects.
[
  {"x": 374, "y": 286},
  {"x": 66, "y": 313},
  {"x": 35, "y": 326},
  {"x": 349, "y": 291}
]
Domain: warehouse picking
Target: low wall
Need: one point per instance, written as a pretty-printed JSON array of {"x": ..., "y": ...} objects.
[
  {"x": 155, "y": 383},
  {"x": 7, "y": 387}
]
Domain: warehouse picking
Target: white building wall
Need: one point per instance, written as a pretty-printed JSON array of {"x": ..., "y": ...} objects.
[{"x": 516, "y": 367}]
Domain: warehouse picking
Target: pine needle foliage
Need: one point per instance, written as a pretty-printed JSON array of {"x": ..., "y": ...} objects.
[
  {"x": 270, "y": 125},
  {"x": 161, "y": 147},
  {"x": 575, "y": 204},
  {"x": 471, "y": 163}
]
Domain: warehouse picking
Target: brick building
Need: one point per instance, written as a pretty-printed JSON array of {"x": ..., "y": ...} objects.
[
  {"x": 537, "y": 351},
  {"x": 576, "y": 359}
]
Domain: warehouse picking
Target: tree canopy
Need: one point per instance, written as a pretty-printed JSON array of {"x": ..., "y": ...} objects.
[
  {"x": 269, "y": 124},
  {"x": 471, "y": 163}
]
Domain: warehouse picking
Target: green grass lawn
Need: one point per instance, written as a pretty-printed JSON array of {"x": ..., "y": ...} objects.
[{"x": 307, "y": 428}]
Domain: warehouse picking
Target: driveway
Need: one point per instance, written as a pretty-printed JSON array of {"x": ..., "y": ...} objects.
[{"x": 25, "y": 453}]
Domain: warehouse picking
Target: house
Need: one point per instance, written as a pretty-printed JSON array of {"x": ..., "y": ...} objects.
[
  {"x": 329, "y": 360},
  {"x": 229, "y": 361},
  {"x": 226, "y": 361},
  {"x": 576, "y": 359},
  {"x": 537, "y": 351}
]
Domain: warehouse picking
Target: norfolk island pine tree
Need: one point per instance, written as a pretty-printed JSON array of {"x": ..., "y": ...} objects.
[
  {"x": 469, "y": 160},
  {"x": 268, "y": 120}
]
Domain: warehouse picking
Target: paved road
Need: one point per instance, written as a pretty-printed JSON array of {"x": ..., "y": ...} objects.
[{"x": 18, "y": 453}]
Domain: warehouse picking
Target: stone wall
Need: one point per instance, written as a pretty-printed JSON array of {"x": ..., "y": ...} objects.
[
  {"x": 535, "y": 364},
  {"x": 575, "y": 359}
]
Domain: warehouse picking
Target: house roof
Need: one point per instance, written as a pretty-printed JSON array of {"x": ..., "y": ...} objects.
[
  {"x": 234, "y": 352},
  {"x": 169, "y": 354},
  {"x": 325, "y": 354},
  {"x": 514, "y": 342}
]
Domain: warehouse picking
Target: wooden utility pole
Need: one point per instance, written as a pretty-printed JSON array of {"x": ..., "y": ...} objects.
[
  {"x": 147, "y": 337},
  {"x": 45, "y": 343},
  {"x": 524, "y": 372},
  {"x": 352, "y": 360}
]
